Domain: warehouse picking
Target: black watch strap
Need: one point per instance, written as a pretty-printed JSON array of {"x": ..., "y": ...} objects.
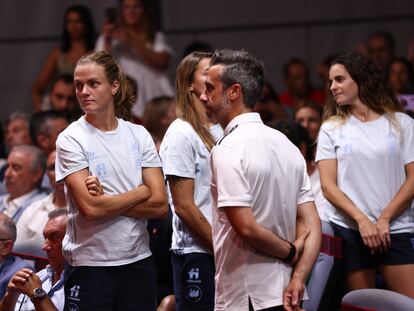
[{"x": 292, "y": 253}]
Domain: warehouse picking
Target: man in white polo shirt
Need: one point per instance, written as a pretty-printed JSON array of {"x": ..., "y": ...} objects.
[{"x": 261, "y": 191}]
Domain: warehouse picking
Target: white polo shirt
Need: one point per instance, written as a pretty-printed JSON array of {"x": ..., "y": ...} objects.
[{"x": 257, "y": 167}]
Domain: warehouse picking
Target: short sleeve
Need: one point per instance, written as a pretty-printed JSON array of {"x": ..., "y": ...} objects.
[
  {"x": 408, "y": 139},
  {"x": 150, "y": 156},
  {"x": 230, "y": 178},
  {"x": 305, "y": 192},
  {"x": 325, "y": 148},
  {"x": 178, "y": 156},
  {"x": 70, "y": 157},
  {"x": 160, "y": 44}
]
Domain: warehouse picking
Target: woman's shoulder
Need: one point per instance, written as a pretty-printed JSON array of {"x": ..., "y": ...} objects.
[
  {"x": 403, "y": 118},
  {"x": 333, "y": 123}
]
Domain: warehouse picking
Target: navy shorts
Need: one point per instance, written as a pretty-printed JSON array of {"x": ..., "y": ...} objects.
[
  {"x": 193, "y": 281},
  {"x": 357, "y": 256},
  {"x": 127, "y": 287}
]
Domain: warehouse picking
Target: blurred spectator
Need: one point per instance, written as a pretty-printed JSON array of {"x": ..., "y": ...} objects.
[
  {"x": 17, "y": 130},
  {"x": 401, "y": 76},
  {"x": 381, "y": 48},
  {"x": 45, "y": 126},
  {"x": 299, "y": 88},
  {"x": 77, "y": 39},
  {"x": 34, "y": 218},
  {"x": 143, "y": 53},
  {"x": 310, "y": 117},
  {"x": 158, "y": 115},
  {"x": 62, "y": 97},
  {"x": 269, "y": 106},
  {"x": 9, "y": 264},
  {"x": 25, "y": 168}
]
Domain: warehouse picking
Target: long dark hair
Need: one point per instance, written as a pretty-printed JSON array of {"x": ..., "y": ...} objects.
[
  {"x": 87, "y": 20},
  {"x": 373, "y": 90}
]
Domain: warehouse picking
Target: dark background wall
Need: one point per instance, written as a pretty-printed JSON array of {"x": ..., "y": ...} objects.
[{"x": 272, "y": 30}]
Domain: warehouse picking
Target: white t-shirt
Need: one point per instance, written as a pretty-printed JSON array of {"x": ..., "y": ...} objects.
[
  {"x": 325, "y": 209},
  {"x": 55, "y": 292},
  {"x": 371, "y": 158},
  {"x": 117, "y": 158},
  {"x": 257, "y": 167},
  {"x": 150, "y": 82},
  {"x": 184, "y": 154},
  {"x": 31, "y": 223}
]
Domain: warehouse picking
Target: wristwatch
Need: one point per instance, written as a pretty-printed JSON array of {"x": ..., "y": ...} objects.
[{"x": 38, "y": 293}]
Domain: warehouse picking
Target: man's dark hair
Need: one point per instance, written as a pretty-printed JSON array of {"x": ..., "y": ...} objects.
[
  {"x": 241, "y": 67},
  {"x": 39, "y": 122}
]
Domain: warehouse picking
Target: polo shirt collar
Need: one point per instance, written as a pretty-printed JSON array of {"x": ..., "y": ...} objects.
[{"x": 242, "y": 118}]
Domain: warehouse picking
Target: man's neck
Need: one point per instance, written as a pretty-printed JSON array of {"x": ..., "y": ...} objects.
[{"x": 56, "y": 275}]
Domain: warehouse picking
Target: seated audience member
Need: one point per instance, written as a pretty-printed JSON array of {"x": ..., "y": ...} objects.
[
  {"x": 158, "y": 115},
  {"x": 45, "y": 126},
  {"x": 310, "y": 117},
  {"x": 62, "y": 97},
  {"x": 269, "y": 106},
  {"x": 34, "y": 218},
  {"x": 401, "y": 76},
  {"x": 23, "y": 176},
  {"x": 16, "y": 133},
  {"x": 42, "y": 291},
  {"x": 298, "y": 85},
  {"x": 381, "y": 49},
  {"x": 9, "y": 264},
  {"x": 17, "y": 130}
]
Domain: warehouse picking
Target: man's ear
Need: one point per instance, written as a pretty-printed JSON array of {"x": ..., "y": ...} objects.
[{"x": 234, "y": 92}]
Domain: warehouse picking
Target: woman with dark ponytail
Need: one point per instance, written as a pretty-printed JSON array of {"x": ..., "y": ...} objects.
[{"x": 106, "y": 243}]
